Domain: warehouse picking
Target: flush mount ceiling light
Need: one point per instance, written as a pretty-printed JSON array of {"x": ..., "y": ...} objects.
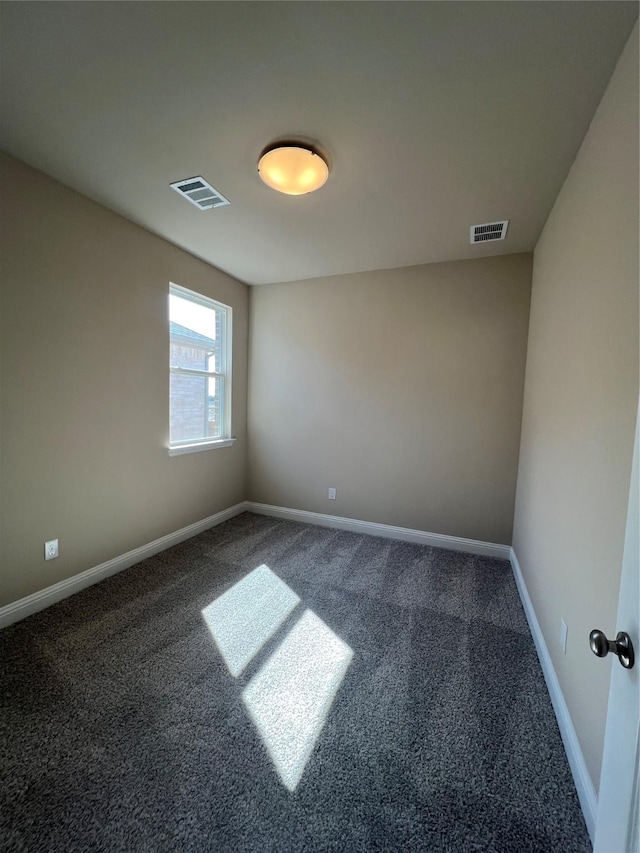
[{"x": 293, "y": 168}]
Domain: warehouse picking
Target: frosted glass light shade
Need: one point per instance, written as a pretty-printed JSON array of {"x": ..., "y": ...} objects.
[{"x": 293, "y": 169}]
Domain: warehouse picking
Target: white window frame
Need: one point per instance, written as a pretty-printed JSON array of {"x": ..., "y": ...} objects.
[{"x": 178, "y": 448}]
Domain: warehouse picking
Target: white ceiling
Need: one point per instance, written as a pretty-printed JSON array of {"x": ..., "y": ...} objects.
[{"x": 435, "y": 116}]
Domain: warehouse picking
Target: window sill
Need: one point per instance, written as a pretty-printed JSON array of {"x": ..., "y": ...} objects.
[{"x": 181, "y": 449}]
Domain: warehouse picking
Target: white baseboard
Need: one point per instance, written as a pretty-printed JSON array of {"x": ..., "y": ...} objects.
[
  {"x": 405, "y": 534},
  {"x": 24, "y": 607},
  {"x": 46, "y": 597},
  {"x": 581, "y": 776}
]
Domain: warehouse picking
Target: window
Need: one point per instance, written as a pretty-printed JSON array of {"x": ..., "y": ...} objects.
[{"x": 200, "y": 372}]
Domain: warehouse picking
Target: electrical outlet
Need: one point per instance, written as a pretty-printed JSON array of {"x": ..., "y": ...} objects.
[
  {"x": 563, "y": 636},
  {"x": 332, "y": 494},
  {"x": 51, "y": 549}
]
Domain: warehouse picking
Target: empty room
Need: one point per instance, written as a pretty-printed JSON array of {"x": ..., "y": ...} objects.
[{"x": 319, "y": 387}]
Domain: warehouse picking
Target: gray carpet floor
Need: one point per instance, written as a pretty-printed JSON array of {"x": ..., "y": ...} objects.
[{"x": 126, "y": 726}]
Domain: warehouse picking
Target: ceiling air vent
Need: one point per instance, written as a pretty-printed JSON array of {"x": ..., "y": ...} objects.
[
  {"x": 200, "y": 193},
  {"x": 488, "y": 231}
]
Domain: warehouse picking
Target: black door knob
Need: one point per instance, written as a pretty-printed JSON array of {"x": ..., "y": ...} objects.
[{"x": 621, "y": 646}]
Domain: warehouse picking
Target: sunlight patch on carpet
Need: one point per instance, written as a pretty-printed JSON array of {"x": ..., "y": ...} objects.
[
  {"x": 289, "y": 699},
  {"x": 247, "y": 615}
]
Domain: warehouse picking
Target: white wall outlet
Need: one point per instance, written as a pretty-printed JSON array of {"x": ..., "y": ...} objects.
[
  {"x": 563, "y": 636},
  {"x": 332, "y": 494},
  {"x": 51, "y": 549}
]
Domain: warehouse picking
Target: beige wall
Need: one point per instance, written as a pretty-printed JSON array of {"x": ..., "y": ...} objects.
[
  {"x": 85, "y": 387},
  {"x": 580, "y": 403},
  {"x": 401, "y": 388}
]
